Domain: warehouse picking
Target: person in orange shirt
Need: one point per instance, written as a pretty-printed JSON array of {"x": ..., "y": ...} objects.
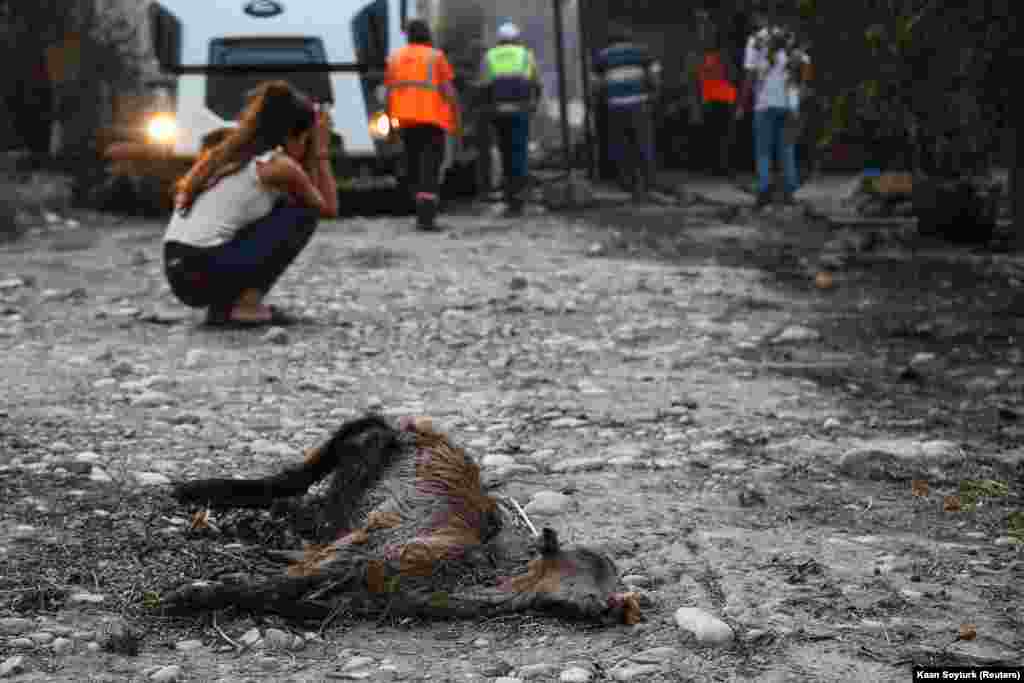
[
  {"x": 718, "y": 95},
  {"x": 423, "y": 101}
]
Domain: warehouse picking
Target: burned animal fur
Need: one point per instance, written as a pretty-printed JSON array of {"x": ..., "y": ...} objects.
[{"x": 405, "y": 526}]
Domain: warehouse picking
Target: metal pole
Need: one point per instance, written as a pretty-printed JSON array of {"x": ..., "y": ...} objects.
[
  {"x": 563, "y": 104},
  {"x": 585, "y": 69}
]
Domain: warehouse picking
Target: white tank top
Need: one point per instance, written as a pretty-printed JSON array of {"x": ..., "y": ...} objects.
[{"x": 224, "y": 209}]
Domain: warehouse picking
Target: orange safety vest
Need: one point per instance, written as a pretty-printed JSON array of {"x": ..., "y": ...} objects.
[
  {"x": 414, "y": 88},
  {"x": 714, "y": 85}
]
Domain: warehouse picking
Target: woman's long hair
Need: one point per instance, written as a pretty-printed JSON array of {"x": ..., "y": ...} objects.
[{"x": 275, "y": 112}]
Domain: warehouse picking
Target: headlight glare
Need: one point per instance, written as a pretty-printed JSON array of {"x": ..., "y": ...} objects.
[
  {"x": 380, "y": 126},
  {"x": 162, "y": 129}
]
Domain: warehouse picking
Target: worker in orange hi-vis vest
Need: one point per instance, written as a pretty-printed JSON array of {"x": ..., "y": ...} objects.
[
  {"x": 718, "y": 95},
  {"x": 424, "y": 104}
]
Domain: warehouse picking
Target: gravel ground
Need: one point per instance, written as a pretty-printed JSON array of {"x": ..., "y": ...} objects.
[{"x": 767, "y": 424}]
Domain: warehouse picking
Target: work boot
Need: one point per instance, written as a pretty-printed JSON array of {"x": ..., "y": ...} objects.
[
  {"x": 514, "y": 203},
  {"x": 513, "y": 209},
  {"x": 426, "y": 212}
]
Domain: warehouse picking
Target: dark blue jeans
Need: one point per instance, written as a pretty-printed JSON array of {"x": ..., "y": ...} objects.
[
  {"x": 513, "y": 129},
  {"x": 631, "y": 142},
  {"x": 771, "y": 143},
  {"x": 257, "y": 256}
]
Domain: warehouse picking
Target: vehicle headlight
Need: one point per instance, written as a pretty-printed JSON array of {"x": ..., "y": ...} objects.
[
  {"x": 382, "y": 126},
  {"x": 162, "y": 129}
]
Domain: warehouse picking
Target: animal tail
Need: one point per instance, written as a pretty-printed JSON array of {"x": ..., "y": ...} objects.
[{"x": 359, "y": 451}]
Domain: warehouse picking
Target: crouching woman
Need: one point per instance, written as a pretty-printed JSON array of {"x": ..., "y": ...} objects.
[{"x": 248, "y": 207}]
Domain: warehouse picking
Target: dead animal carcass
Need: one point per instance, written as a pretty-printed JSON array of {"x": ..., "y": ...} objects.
[{"x": 405, "y": 527}]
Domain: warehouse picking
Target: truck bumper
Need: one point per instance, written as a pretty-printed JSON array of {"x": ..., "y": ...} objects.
[{"x": 138, "y": 159}]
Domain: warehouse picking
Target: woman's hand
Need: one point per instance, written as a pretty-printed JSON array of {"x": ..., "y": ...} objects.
[{"x": 322, "y": 132}]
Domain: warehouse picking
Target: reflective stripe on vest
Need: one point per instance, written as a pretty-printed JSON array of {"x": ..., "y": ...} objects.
[
  {"x": 427, "y": 83},
  {"x": 496, "y": 69},
  {"x": 509, "y": 68}
]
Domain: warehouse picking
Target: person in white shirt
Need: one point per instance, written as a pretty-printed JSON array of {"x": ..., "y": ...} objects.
[
  {"x": 248, "y": 206},
  {"x": 776, "y": 70}
]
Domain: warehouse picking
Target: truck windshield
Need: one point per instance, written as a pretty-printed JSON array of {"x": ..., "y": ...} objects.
[
  {"x": 226, "y": 93},
  {"x": 263, "y": 55}
]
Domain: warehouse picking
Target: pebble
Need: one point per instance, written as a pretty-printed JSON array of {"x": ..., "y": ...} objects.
[
  {"x": 151, "y": 479},
  {"x": 62, "y": 646},
  {"x": 360, "y": 662},
  {"x": 707, "y": 629},
  {"x": 567, "y": 422},
  {"x": 167, "y": 674},
  {"x": 267, "y": 663},
  {"x": 575, "y": 674},
  {"x": 152, "y": 399},
  {"x": 481, "y": 642},
  {"x": 15, "y": 626},
  {"x": 188, "y": 645},
  {"x": 250, "y": 637},
  {"x": 656, "y": 655},
  {"x": 195, "y": 358},
  {"x": 531, "y": 671},
  {"x": 11, "y": 283},
  {"x": 796, "y": 334},
  {"x": 548, "y": 503},
  {"x": 276, "y": 639},
  {"x": 579, "y": 465},
  {"x": 630, "y": 672},
  {"x": 41, "y": 637},
  {"x": 13, "y": 666},
  {"x": 98, "y": 474},
  {"x": 158, "y": 382},
  {"x": 897, "y": 458},
  {"x": 638, "y": 580},
  {"x": 497, "y": 461},
  {"x": 271, "y": 448},
  {"x": 276, "y": 335}
]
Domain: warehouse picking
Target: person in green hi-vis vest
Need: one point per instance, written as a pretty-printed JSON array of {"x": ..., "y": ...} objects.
[{"x": 512, "y": 89}]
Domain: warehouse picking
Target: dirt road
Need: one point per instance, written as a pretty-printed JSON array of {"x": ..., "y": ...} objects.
[{"x": 742, "y": 441}]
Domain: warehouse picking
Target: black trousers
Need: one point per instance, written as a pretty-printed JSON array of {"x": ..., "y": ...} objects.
[
  {"x": 424, "y": 154},
  {"x": 257, "y": 256},
  {"x": 718, "y": 116}
]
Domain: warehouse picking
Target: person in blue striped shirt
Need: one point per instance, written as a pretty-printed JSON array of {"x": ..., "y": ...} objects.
[{"x": 628, "y": 78}]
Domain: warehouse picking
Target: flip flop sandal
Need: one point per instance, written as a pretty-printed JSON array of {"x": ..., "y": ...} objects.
[
  {"x": 278, "y": 318},
  {"x": 281, "y": 318}
]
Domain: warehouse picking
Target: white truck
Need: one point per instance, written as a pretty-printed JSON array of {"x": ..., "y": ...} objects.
[{"x": 215, "y": 52}]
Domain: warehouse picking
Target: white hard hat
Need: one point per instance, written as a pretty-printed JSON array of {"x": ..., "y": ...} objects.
[{"x": 508, "y": 31}]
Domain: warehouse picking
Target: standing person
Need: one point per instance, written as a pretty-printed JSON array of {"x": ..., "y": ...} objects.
[
  {"x": 628, "y": 78},
  {"x": 513, "y": 88},
  {"x": 422, "y": 98},
  {"x": 718, "y": 96},
  {"x": 775, "y": 71},
  {"x": 31, "y": 106},
  {"x": 248, "y": 206}
]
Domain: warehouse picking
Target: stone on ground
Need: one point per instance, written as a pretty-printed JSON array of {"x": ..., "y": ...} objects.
[
  {"x": 706, "y": 628},
  {"x": 548, "y": 503},
  {"x": 900, "y": 459}
]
